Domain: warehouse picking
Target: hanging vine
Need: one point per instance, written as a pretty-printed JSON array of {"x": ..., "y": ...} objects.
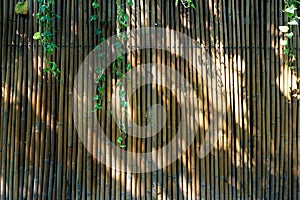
[
  {"x": 290, "y": 10},
  {"x": 118, "y": 66},
  {"x": 46, "y": 33}
]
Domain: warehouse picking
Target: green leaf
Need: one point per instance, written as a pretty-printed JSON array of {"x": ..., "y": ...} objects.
[
  {"x": 284, "y": 42},
  {"x": 96, "y": 98},
  {"x": 122, "y": 94},
  {"x": 122, "y": 146},
  {"x": 129, "y": 2},
  {"x": 98, "y": 106},
  {"x": 98, "y": 31},
  {"x": 290, "y": 10},
  {"x": 289, "y": 35},
  {"x": 286, "y": 51},
  {"x": 95, "y": 5},
  {"x": 124, "y": 103},
  {"x": 119, "y": 140},
  {"x": 128, "y": 66},
  {"x": 21, "y": 8},
  {"x": 293, "y": 22},
  {"x": 93, "y": 18},
  {"x": 193, "y": 6},
  {"x": 37, "y": 36},
  {"x": 119, "y": 84},
  {"x": 284, "y": 29}
]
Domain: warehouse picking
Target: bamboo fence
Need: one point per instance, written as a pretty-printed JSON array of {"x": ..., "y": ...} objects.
[{"x": 257, "y": 157}]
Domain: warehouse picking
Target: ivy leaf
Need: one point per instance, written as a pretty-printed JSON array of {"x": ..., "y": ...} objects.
[
  {"x": 98, "y": 31},
  {"x": 95, "y": 5},
  {"x": 289, "y": 35},
  {"x": 93, "y": 18},
  {"x": 122, "y": 94},
  {"x": 129, "y": 2},
  {"x": 37, "y": 36},
  {"x": 119, "y": 84},
  {"x": 284, "y": 42},
  {"x": 119, "y": 140},
  {"x": 124, "y": 104},
  {"x": 98, "y": 106},
  {"x": 128, "y": 66},
  {"x": 96, "y": 98},
  {"x": 284, "y": 29},
  {"x": 293, "y": 22},
  {"x": 290, "y": 10},
  {"x": 286, "y": 51}
]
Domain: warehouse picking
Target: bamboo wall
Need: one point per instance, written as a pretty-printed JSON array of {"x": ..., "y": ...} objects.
[{"x": 41, "y": 156}]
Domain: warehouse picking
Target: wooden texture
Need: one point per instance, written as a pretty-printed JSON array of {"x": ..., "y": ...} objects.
[{"x": 257, "y": 157}]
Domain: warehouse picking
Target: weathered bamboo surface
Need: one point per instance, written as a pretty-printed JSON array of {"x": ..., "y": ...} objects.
[{"x": 257, "y": 157}]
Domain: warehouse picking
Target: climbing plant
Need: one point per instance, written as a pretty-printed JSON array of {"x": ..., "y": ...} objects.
[
  {"x": 46, "y": 33},
  {"x": 290, "y": 10},
  {"x": 118, "y": 66}
]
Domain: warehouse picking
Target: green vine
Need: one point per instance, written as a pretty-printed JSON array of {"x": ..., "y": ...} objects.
[
  {"x": 45, "y": 35},
  {"x": 290, "y": 10},
  {"x": 186, "y": 3},
  {"x": 122, "y": 23},
  {"x": 118, "y": 66}
]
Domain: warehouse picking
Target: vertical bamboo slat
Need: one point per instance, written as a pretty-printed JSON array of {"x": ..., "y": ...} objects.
[{"x": 42, "y": 157}]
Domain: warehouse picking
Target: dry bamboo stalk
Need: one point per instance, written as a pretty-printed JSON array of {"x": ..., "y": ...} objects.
[
  {"x": 282, "y": 121},
  {"x": 253, "y": 86},
  {"x": 70, "y": 129},
  {"x": 185, "y": 112},
  {"x": 216, "y": 90},
  {"x": 24, "y": 101},
  {"x": 154, "y": 56},
  {"x": 262, "y": 94},
  {"x": 168, "y": 97},
  {"x": 249, "y": 101},
  {"x": 178, "y": 113},
  {"x": 202, "y": 96},
  {"x": 13, "y": 104},
  {"x": 173, "y": 131},
  {"x": 115, "y": 128},
  {"x": 149, "y": 91},
  {"x": 3, "y": 71},
  {"x": 278, "y": 65},
  {"x": 273, "y": 64},
  {"x": 75, "y": 138},
  {"x": 159, "y": 59},
  {"x": 60, "y": 124},
  {"x": 268, "y": 105},
  {"x": 259, "y": 125},
  {"x": 80, "y": 147},
  {"x": 129, "y": 139},
  {"x": 227, "y": 124},
  {"x": 66, "y": 62},
  {"x": 101, "y": 167},
  {"x": 90, "y": 138},
  {"x": 109, "y": 107},
  {"x": 30, "y": 83},
  {"x": 5, "y": 114},
  {"x": 223, "y": 145},
  {"x": 11, "y": 109},
  {"x": 164, "y": 95},
  {"x": 35, "y": 124},
  {"x": 236, "y": 96}
]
